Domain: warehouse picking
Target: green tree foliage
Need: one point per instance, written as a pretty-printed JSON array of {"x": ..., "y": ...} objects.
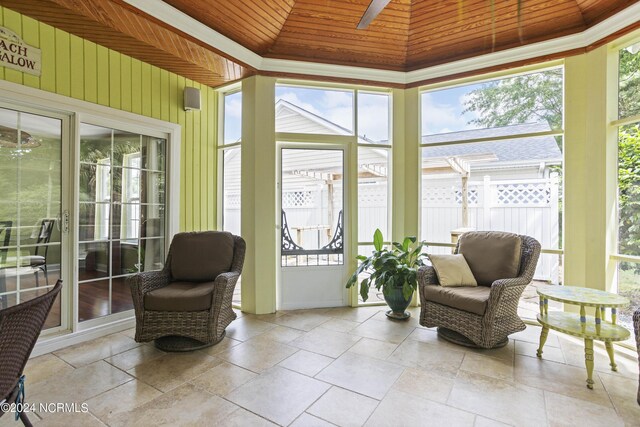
[
  {"x": 629, "y": 190},
  {"x": 522, "y": 99}
]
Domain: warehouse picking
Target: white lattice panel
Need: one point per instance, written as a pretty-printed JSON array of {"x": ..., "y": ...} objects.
[
  {"x": 297, "y": 199},
  {"x": 523, "y": 194},
  {"x": 232, "y": 201},
  {"x": 448, "y": 196}
]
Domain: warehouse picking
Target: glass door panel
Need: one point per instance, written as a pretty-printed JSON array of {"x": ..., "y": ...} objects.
[
  {"x": 30, "y": 208},
  {"x": 122, "y": 216}
]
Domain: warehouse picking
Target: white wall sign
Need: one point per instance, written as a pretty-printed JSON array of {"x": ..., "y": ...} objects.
[{"x": 16, "y": 54}]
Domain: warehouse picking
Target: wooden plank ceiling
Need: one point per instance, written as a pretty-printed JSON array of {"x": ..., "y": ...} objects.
[
  {"x": 116, "y": 25},
  {"x": 407, "y": 35}
]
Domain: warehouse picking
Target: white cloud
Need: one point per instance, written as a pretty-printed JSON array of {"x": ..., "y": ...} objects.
[{"x": 441, "y": 117}]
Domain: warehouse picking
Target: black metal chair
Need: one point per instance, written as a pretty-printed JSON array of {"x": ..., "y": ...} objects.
[
  {"x": 20, "y": 327},
  {"x": 38, "y": 261}
]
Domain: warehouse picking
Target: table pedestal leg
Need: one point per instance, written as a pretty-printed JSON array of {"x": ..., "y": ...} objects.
[
  {"x": 543, "y": 339},
  {"x": 609, "y": 347},
  {"x": 588, "y": 360}
]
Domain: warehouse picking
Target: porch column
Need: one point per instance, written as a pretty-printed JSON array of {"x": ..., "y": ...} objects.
[
  {"x": 258, "y": 213},
  {"x": 590, "y": 171}
]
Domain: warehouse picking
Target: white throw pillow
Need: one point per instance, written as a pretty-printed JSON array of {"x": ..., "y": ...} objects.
[{"x": 453, "y": 270}]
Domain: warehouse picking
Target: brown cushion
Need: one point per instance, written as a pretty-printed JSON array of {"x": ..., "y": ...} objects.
[
  {"x": 201, "y": 256},
  {"x": 180, "y": 296},
  {"x": 491, "y": 255},
  {"x": 472, "y": 299}
]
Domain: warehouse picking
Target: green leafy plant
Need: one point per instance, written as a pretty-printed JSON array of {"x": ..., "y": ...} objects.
[{"x": 388, "y": 268}]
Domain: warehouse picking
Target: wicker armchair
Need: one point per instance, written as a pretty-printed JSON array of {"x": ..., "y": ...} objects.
[
  {"x": 20, "y": 327},
  {"x": 187, "y": 305},
  {"x": 636, "y": 327},
  {"x": 483, "y": 316}
]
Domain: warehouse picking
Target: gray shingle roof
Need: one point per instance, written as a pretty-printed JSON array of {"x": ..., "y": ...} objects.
[{"x": 507, "y": 150}]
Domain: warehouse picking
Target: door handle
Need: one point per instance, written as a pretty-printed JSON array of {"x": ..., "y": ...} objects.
[{"x": 65, "y": 222}]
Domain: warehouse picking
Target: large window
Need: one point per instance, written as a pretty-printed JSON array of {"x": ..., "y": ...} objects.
[
  {"x": 121, "y": 218},
  {"x": 629, "y": 179},
  {"x": 229, "y": 153},
  {"x": 492, "y": 155}
]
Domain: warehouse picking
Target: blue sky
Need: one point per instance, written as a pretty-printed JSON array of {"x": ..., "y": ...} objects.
[{"x": 442, "y": 110}]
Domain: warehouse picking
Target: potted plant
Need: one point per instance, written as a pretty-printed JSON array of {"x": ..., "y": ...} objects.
[{"x": 394, "y": 270}]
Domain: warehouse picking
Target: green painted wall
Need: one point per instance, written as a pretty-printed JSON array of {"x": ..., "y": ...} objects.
[{"x": 78, "y": 68}]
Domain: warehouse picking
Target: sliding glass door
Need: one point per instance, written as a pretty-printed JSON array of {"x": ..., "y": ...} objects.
[{"x": 32, "y": 203}]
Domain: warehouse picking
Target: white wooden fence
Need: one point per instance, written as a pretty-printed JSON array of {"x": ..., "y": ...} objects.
[{"x": 525, "y": 206}]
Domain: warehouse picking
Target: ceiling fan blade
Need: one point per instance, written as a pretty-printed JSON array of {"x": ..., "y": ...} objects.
[{"x": 375, "y": 7}]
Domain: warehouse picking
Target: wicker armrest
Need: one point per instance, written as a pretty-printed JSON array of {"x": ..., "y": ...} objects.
[
  {"x": 143, "y": 283},
  {"x": 516, "y": 281},
  {"x": 427, "y": 276}
]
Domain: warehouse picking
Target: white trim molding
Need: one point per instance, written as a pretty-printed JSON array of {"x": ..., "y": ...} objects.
[{"x": 183, "y": 22}]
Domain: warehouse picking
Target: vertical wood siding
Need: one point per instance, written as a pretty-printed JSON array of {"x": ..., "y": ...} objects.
[{"x": 81, "y": 69}]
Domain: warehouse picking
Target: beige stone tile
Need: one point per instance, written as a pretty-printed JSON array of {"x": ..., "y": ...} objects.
[
  {"x": 424, "y": 384},
  {"x": 243, "y": 418},
  {"x": 91, "y": 351},
  {"x": 280, "y": 334},
  {"x": 362, "y": 374},
  {"x": 374, "y": 348},
  {"x": 430, "y": 336},
  {"x": 269, "y": 317},
  {"x": 223, "y": 345},
  {"x": 488, "y": 366},
  {"x": 404, "y": 409},
  {"x": 339, "y": 325},
  {"x": 554, "y": 354},
  {"x": 532, "y": 335},
  {"x": 500, "y": 400},
  {"x": 411, "y": 321},
  {"x": 67, "y": 419},
  {"x": 306, "y": 362},
  {"x": 304, "y": 321},
  {"x": 628, "y": 409},
  {"x": 123, "y": 398},
  {"x": 429, "y": 357},
  {"x": 359, "y": 314},
  {"x": 279, "y": 395},
  {"x": 563, "y": 411},
  {"x": 325, "y": 342},
  {"x": 223, "y": 379},
  {"x": 487, "y": 422},
  {"x": 257, "y": 356},
  {"x": 307, "y": 420},
  {"x": 134, "y": 357},
  {"x": 131, "y": 333},
  {"x": 44, "y": 367},
  {"x": 559, "y": 378},
  {"x": 247, "y": 327},
  {"x": 384, "y": 330},
  {"x": 573, "y": 350},
  {"x": 617, "y": 385},
  {"x": 343, "y": 408},
  {"x": 77, "y": 386},
  {"x": 183, "y": 406},
  {"x": 173, "y": 369}
]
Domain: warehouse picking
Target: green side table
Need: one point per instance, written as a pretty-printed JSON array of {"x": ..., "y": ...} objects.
[{"x": 588, "y": 327}]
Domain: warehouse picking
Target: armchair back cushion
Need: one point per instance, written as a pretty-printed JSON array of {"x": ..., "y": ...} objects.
[
  {"x": 200, "y": 256},
  {"x": 491, "y": 255}
]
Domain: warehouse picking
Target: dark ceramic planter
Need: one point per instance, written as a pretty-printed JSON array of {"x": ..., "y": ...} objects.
[{"x": 397, "y": 304}]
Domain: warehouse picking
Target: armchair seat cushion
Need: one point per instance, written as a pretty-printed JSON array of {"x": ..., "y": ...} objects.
[
  {"x": 470, "y": 299},
  {"x": 180, "y": 296}
]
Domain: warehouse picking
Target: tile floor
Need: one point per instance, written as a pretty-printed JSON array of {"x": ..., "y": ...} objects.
[{"x": 340, "y": 366}]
